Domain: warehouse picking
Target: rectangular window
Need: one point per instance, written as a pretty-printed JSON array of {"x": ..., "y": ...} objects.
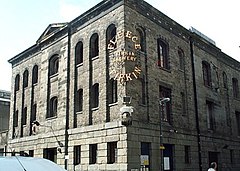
[
  {"x": 210, "y": 123},
  {"x": 145, "y": 154},
  {"x": 238, "y": 122},
  {"x": 112, "y": 91},
  {"x": 34, "y": 112},
  {"x": 165, "y": 107},
  {"x": 92, "y": 153},
  {"x": 24, "y": 116},
  {"x": 206, "y": 73},
  {"x": 50, "y": 154},
  {"x": 162, "y": 49},
  {"x": 187, "y": 154},
  {"x": 1, "y": 151},
  {"x": 111, "y": 152},
  {"x": 77, "y": 155},
  {"x": 15, "y": 119},
  {"x": 79, "y": 100},
  {"x": 31, "y": 153}
]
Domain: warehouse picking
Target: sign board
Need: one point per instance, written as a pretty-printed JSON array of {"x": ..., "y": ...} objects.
[{"x": 119, "y": 57}]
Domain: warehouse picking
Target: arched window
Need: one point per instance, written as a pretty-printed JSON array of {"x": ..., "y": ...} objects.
[
  {"x": 206, "y": 73},
  {"x": 111, "y": 37},
  {"x": 225, "y": 80},
  {"x": 95, "y": 95},
  {"x": 94, "y": 45},
  {"x": 235, "y": 87},
  {"x": 79, "y": 100},
  {"x": 25, "y": 78},
  {"x": 53, "y": 107},
  {"x": 17, "y": 82},
  {"x": 181, "y": 59},
  {"x": 53, "y": 64},
  {"x": 35, "y": 74},
  {"x": 163, "y": 59},
  {"x": 141, "y": 39},
  {"x": 79, "y": 53},
  {"x": 112, "y": 91}
]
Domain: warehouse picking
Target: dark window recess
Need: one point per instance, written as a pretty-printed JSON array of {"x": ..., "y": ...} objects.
[
  {"x": 34, "y": 112},
  {"x": 35, "y": 75},
  {"x": 24, "y": 116},
  {"x": 210, "y": 115},
  {"x": 187, "y": 154},
  {"x": 77, "y": 154},
  {"x": 141, "y": 39},
  {"x": 25, "y": 78},
  {"x": 95, "y": 95},
  {"x": 166, "y": 107},
  {"x": 145, "y": 151},
  {"x": 17, "y": 82},
  {"x": 53, "y": 107},
  {"x": 163, "y": 59},
  {"x": 112, "y": 91},
  {"x": 79, "y": 100},
  {"x": 235, "y": 88},
  {"x": 50, "y": 154},
  {"x": 53, "y": 65},
  {"x": 79, "y": 53},
  {"x": 111, "y": 152},
  {"x": 238, "y": 122},
  {"x": 92, "y": 153},
  {"x": 183, "y": 103},
  {"x": 31, "y": 153},
  {"x": 111, "y": 37},
  {"x": 94, "y": 45},
  {"x": 206, "y": 73},
  {"x": 15, "y": 118}
]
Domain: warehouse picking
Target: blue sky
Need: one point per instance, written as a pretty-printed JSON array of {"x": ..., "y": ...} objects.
[{"x": 23, "y": 21}]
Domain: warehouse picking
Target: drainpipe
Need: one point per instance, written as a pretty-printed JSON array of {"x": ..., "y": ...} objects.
[
  {"x": 196, "y": 105},
  {"x": 67, "y": 96}
]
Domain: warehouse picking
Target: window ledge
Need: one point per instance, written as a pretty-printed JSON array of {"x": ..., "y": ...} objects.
[
  {"x": 95, "y": 108},
  {"x": 35, "y": 84},
  {"x": 79, "y": 112},
  {"x": 79, "y": 65},
  {"x": 54, "y": 75},
  {"x": 164, "y": 69},
  {"x": 95, "y": 57},
  {"x": 113, "y": 104},
  {"x": 51, "y": 117}
]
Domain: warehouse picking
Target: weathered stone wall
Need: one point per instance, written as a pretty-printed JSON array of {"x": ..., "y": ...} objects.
[{"x": 176, "y": 79}]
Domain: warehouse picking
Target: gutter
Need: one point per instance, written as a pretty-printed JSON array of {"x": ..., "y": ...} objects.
[{"x": 196, "y": 105}]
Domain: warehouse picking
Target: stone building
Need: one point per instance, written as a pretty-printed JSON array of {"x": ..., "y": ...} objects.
[
  {"x": 89, "y": 94},
  {"x": 4, "y": 119}
]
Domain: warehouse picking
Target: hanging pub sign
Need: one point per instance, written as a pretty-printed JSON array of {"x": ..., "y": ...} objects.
[{"x": 119, "y": 57}]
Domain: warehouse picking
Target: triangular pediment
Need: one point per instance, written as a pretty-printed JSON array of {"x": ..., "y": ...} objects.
[{"x": 51, "y": 30}]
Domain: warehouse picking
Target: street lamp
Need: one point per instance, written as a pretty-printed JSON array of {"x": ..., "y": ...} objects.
[{"x": 162, "y": 101}]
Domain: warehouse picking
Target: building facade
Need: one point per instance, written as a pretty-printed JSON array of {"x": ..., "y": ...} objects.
[
  {"x": 4, "y": 119},
  {"x": 87, "y": 94}
]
